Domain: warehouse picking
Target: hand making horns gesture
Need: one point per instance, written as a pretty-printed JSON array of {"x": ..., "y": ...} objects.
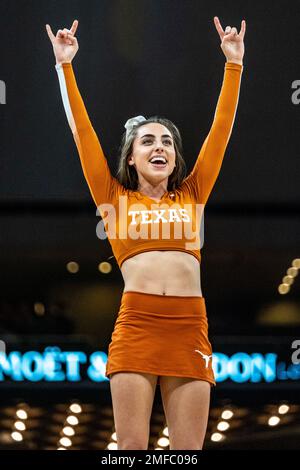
[
  {"x": 232, "y": 42},
  {"x": 65, "y": 45}
]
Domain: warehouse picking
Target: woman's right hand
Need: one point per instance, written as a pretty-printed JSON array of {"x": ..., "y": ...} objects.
[{"x": 65, "y": 45}]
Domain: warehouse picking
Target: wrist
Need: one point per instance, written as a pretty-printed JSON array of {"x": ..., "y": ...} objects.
[
  {"x": 235, "y": 61},
  {"x": 58, "y": 62}
]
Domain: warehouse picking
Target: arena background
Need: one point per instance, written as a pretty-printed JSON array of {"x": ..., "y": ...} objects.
[{"x": 148, "y": 57}]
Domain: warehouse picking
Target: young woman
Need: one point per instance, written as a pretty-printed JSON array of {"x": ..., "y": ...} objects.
[{"x": 161, "y": 333}]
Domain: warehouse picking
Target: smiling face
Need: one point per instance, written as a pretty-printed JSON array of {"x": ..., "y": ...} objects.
[{"x": 153, "y": 153}]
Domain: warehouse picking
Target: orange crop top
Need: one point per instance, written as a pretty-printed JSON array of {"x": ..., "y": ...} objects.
[{"x": 133, "y": 222}]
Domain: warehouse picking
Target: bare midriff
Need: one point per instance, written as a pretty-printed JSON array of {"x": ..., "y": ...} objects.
[{"x": 163, "y": 273}]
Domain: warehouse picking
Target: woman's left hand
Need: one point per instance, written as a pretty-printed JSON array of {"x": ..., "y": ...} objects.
[{"x": 232, "y": 42}]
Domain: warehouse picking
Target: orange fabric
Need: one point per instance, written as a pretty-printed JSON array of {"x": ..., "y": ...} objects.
[
  {"x": 161, "y": 335},
  {"x": 134, "y": 223}
]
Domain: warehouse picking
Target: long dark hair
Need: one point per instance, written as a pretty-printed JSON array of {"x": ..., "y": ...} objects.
[{"x": 127, "y": 174}]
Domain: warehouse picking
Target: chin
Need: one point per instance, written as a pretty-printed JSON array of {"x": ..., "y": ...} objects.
[{"x": 159, "y": 176}]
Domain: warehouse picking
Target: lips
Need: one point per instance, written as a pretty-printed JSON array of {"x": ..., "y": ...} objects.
[
  {"x": 158, "y": 165},
  {"x": 158, "y": 161}
]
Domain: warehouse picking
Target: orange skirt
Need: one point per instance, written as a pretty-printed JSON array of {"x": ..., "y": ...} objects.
[{"x": 161, "y": 335}]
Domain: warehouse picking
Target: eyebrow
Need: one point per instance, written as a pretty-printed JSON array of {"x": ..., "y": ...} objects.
[{"x": 151, "y": 135}]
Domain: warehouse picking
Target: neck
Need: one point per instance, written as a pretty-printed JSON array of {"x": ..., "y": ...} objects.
[{"x": 153, "y": 190}]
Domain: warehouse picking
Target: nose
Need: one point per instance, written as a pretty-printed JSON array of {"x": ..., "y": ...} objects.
[{"x": 159, "y": 148}]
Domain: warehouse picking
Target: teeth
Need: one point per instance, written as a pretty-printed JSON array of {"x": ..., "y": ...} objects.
[{"x": 159, "y": 159}]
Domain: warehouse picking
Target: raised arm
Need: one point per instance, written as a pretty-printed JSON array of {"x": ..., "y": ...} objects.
[
  {"x": 209, "y": 161},
  {"x": 93, "y": 161}
]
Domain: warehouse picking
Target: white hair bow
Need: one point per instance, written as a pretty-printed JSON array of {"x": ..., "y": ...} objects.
[{"x": 133, "y": 122}]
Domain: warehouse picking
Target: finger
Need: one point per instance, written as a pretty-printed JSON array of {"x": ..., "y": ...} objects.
[
  {"x": 227, "y": 29},
  {"x": 68, "y": 36},
  {"x": 74, "y": 27},
  {"x": 243, "y": 29},
  {"x": 64, "y": 34},
  {"x": 50, "y": 33},
  {"x": 72, "y": 40},
  {"x": 219, "y": 27},
  {"x": 234, "y": 30}
]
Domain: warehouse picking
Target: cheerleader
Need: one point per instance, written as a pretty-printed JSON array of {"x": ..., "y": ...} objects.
[{"x": 152, "y": 216}]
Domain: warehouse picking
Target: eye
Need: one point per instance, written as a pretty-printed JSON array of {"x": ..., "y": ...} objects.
[{"x": 150, "y": 140}]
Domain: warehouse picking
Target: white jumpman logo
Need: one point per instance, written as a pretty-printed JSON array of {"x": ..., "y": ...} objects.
[{"x": 205, "y": 357}]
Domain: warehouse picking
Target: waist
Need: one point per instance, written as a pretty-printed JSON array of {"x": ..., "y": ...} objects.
[{"x": 163, "y": 273}]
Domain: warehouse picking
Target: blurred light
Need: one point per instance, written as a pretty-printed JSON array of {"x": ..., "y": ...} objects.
[
  {"x": 283, "y": 288},
  {"x": 273, "y": 421},
  {"x": 68, "y": 431},
  {"x": 223, "y": 426},
  {"x": 280, "y": 313},
  {"x": 61, "y": 448},
  {"x": 39, "y": 309},
  {"x": 17, "y": 436},
  {"x": 22, "y": 414},
  {"x": 166, "y": 431},
  {"x": 292, "y": 272},
  {"x": 72, "y": 420},
  {"x": 114, "y": 436},
  {"x": 73, "y": 267},
  {"x": 158, "y": 448},
  {"x": 227, "y": 414},
  {"x": 65, "y": 441},
  {"x": 288, "y": 280},
  {"x": 75, "y": 408},
  {"x": 5, "y": 437},
  {"x": 20, "y": 426},
  {"x": 105, "y": 267},
  {"x": 283, "y": 409},
  {"x": 217, "y": 437},
  {"x": 163, "y": 441},
  {"x": 296, "y": 263},
  {"x": 112, "y": 446}
]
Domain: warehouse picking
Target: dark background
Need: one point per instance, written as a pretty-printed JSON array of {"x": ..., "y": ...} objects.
[{"x": 147, "y": 57}]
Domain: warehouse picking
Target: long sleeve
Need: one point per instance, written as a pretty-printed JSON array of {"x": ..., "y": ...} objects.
[
  {"x": 93, "y": 162},
  {"x": 207, "y": 167}
]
